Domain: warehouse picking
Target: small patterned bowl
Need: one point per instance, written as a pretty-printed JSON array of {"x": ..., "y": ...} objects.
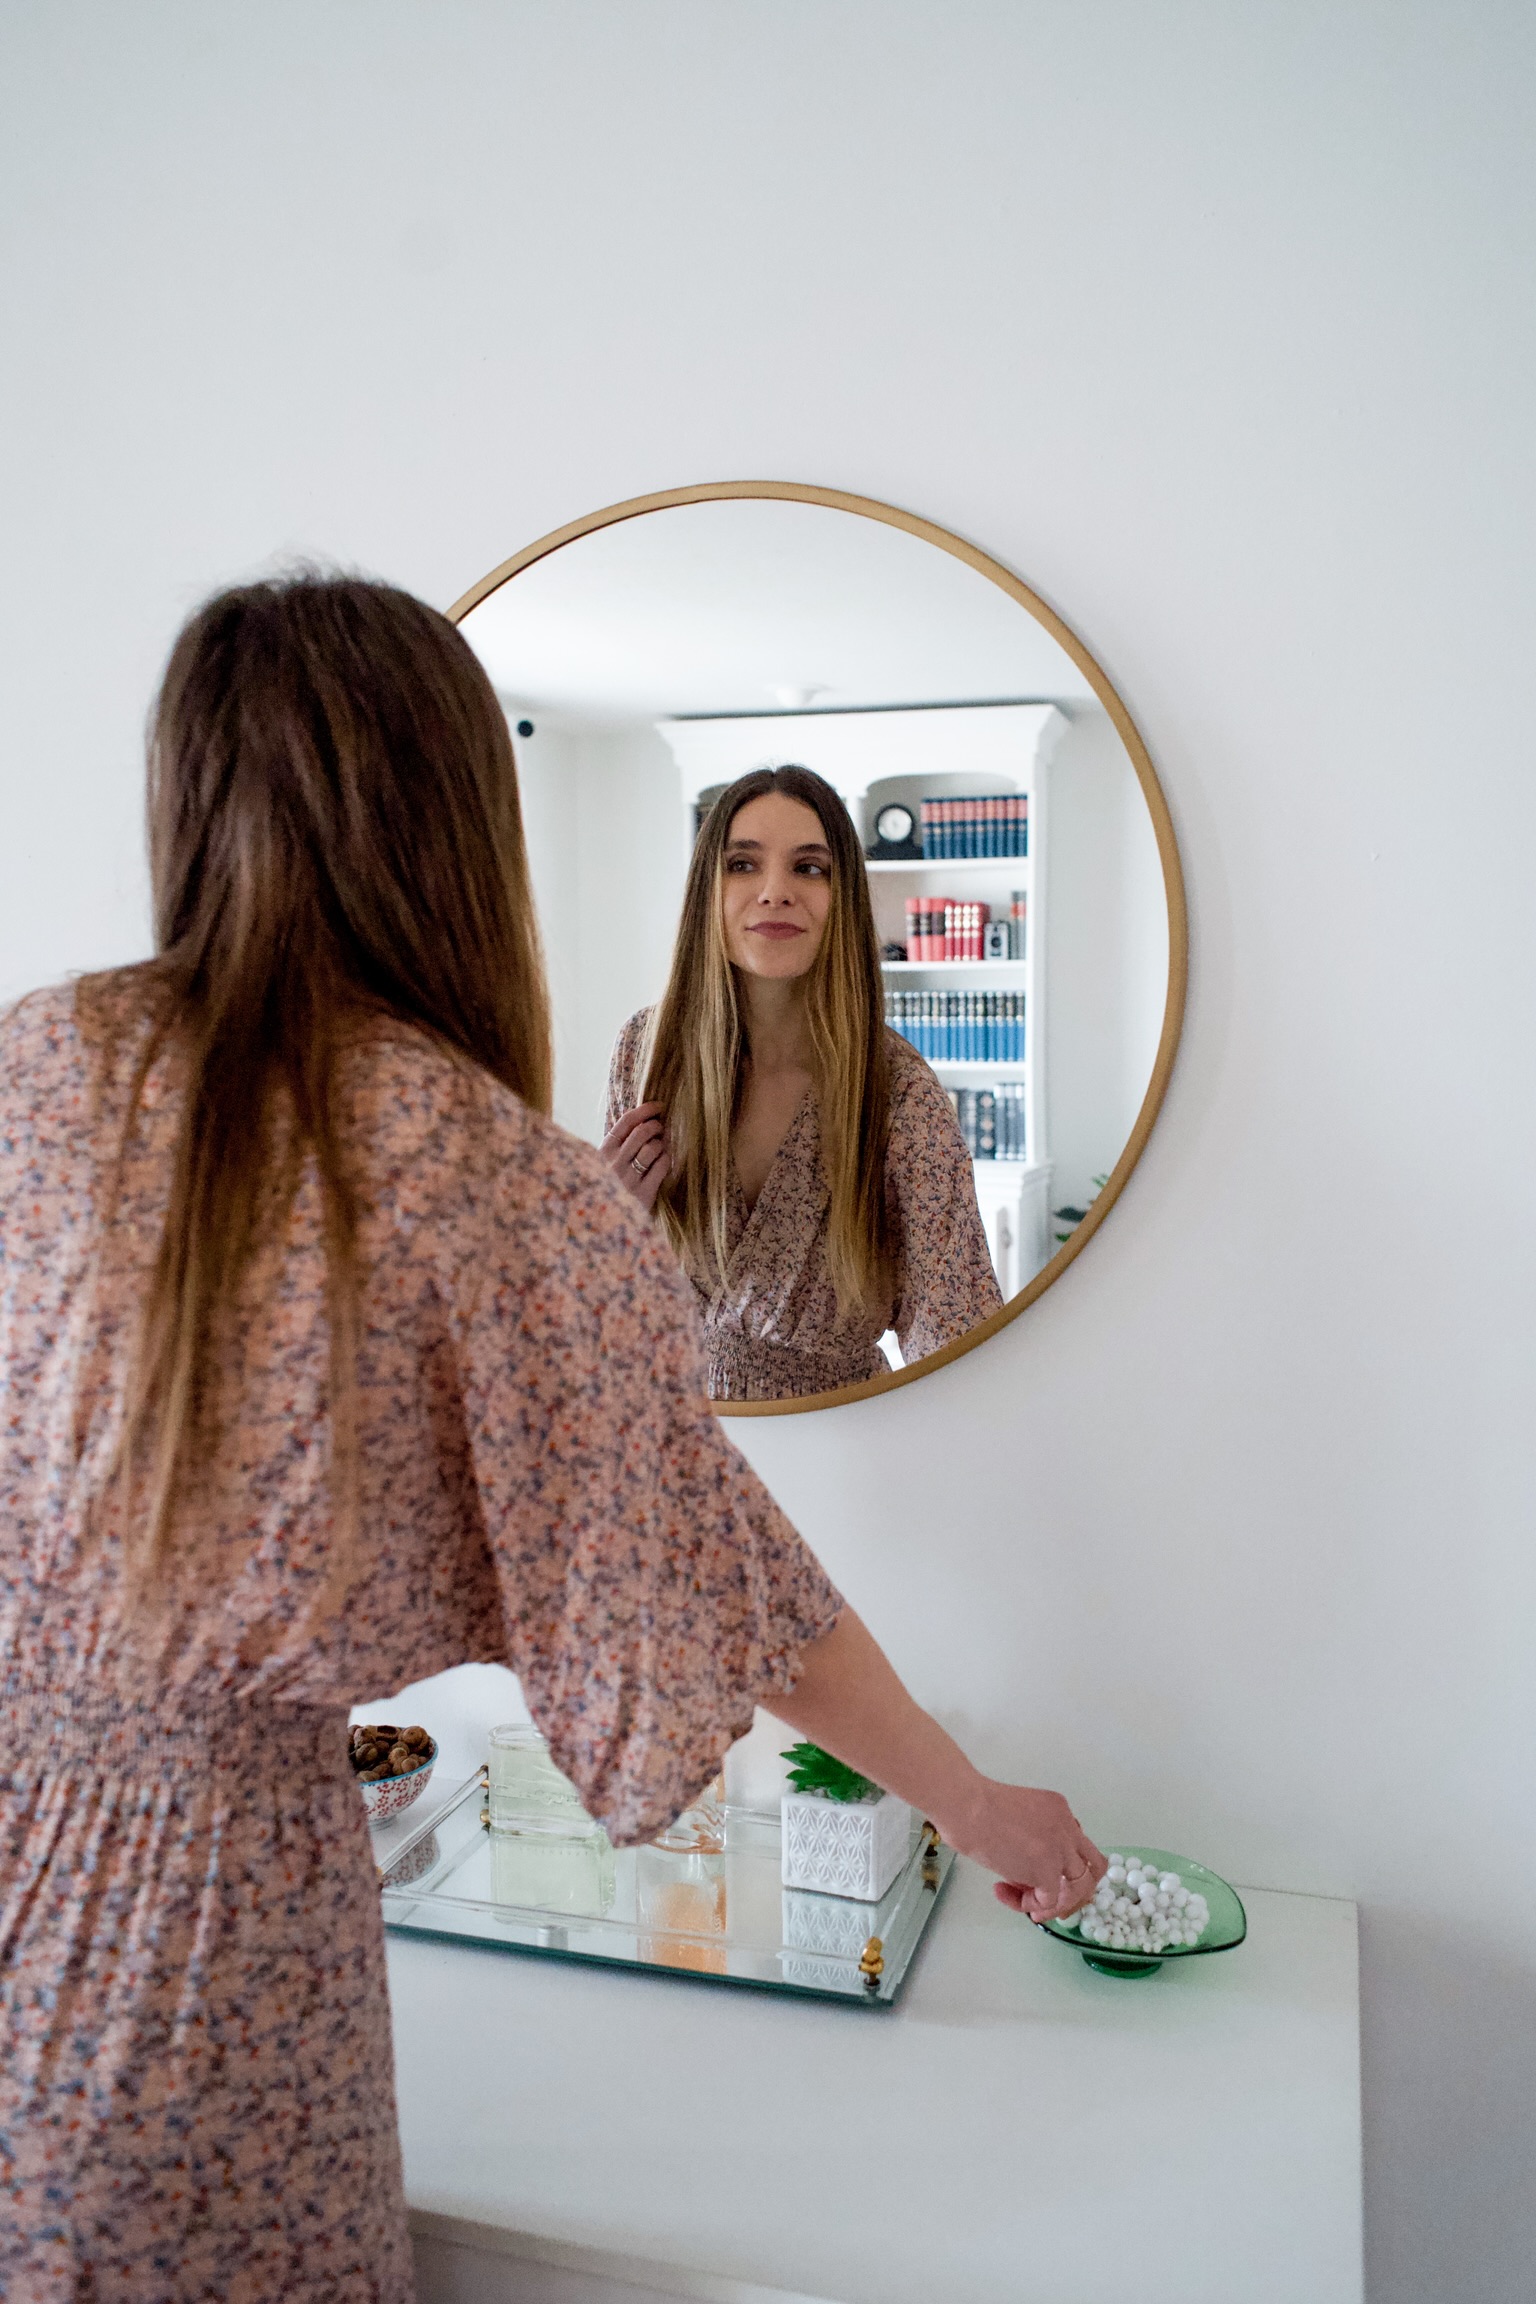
[
  {"x": 392, "y": 1795},
  {"x": 414, "y": 1866}
]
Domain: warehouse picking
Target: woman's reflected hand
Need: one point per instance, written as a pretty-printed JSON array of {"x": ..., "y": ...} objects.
[{"x": 637, "y": 1151}]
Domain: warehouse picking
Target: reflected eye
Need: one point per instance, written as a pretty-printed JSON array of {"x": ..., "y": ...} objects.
[
  {"x": 809, "y": 864},
  {"x": 738, "y": 863}
]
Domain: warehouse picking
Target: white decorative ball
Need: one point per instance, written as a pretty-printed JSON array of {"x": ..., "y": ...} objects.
[{"x": 1138, "y": 1908}]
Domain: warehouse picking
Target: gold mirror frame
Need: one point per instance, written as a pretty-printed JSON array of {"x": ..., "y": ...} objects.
[{"x": 870, "y": 508}]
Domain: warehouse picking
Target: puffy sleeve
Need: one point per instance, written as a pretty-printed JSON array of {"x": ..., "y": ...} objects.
[
  {"x": 651, "y": 1590},
  {"x": 946, "y": 1283},
  {"x": 624, "y": 1067}
]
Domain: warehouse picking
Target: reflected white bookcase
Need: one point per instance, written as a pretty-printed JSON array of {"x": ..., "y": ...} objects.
[{"x": 911, "y": 755}]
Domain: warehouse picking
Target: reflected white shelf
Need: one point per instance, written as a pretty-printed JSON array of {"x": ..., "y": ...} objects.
[
  {"x": 951, "y": 967},
  {"x": 1014, "y": 1066},
  {"x": 997, "y": 864}
]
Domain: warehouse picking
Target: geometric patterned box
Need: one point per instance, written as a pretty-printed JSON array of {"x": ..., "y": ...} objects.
[
  {"x": 844, "y": 1847},
  {"x": 835, "y": 1925}
]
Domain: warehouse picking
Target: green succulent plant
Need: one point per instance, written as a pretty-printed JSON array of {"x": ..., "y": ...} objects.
[
  {"x": 812, "y": 1770},
  {"x": 1072, "y": 1217}
]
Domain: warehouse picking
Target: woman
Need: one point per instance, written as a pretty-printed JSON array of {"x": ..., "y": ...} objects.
[
  {"x": 802, "y": 1157},
  {"x": 327, "y": 1361}
]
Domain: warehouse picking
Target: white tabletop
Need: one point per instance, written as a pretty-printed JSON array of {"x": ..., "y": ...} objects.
[{"x": 1018, "y": 2130}]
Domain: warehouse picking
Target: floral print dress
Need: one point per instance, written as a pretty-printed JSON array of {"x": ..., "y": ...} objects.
[
  {"x": 774, "y": 1332},
  {"x": 196, "y": 2095}
]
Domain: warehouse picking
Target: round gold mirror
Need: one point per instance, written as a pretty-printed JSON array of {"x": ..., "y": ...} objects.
[{"x": 896, "y": 1013}]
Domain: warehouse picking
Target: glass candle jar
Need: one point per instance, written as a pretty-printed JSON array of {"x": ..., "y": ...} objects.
[
  {"x": 528, "y": 1794},
  {"x": 700, "y": 1830},
  {"x": 683, "y": 1898},
  {"x": 554, "y": 1873}
]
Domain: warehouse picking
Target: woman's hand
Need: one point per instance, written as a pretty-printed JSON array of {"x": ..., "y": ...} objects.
[
  {"x": 636, "y": 1149},
  {"x": 1049, "y": 1866}
]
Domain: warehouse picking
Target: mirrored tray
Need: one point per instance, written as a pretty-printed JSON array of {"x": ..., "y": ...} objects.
[{"x": 720, "y": 1919}]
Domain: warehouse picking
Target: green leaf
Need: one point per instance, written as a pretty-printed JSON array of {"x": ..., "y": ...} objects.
[{"x": 812, "y": 1770}]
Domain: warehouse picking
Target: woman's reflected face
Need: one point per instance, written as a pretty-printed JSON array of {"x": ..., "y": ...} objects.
[{"x": 777, "y": 886}]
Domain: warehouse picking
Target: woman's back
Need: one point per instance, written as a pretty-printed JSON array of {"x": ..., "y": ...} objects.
[
  {"x": 425, "y": 1149},
  {"x": 185, "y": 1888}
]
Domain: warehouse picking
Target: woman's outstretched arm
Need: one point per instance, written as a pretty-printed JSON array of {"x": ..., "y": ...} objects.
[{"x": 849, "y": 1700}]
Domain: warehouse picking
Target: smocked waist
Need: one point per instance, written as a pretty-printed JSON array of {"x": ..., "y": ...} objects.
[
  {"x": 753, "y": 1368},
  {"x": 110, "y": 1730}
]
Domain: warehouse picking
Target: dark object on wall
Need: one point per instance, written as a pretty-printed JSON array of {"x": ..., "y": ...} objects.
[
  {"x": 525, "y": 727},
  {"x": 895, "y": 834}
]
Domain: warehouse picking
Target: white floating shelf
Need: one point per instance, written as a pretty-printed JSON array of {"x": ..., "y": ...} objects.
[
  {"x": 999, "y": 865},
  {"x": 951, "y": 967},
  {"x": 1015, "y": 1067}
]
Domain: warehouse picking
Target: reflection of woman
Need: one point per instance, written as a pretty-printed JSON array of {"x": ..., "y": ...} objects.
[
  {"x": 328, "y": 1361},
  {"x": 803, "y": 1158}
]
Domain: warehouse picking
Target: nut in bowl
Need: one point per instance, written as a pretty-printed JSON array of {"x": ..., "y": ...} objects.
[{"x": 391, "y": 1766}]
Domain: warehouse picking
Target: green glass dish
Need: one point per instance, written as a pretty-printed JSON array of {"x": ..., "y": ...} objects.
[{"x": 1226, "y": 1928}]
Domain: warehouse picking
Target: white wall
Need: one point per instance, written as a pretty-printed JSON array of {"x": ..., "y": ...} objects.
[
  {"x": 1106, "y": 934},
  {"x": 604, "y": 814},
  {"x": 1216, "y": 322},
  {"x": 633, "y": 864},
  {"x": 549, "y": 788}
]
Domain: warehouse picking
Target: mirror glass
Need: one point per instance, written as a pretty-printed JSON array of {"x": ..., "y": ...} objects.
[
  {"x": 725, "y": 1916},
  {"x": 848, "y": 1196}
]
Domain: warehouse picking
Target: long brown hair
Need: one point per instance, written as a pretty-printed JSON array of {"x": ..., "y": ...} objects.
[
  {"x": 698, "y": 1047},
  {"x": 334, "y": 834}
]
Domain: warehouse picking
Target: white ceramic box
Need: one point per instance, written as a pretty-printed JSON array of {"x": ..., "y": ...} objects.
[{"x": 844, "y": 1847}]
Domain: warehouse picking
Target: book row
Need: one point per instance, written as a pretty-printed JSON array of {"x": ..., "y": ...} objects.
[
  {"x": 991, "y": 824},
  {"x": 992, "y": 1120},
  {"x": 939, "y": 928},
  {"x": 960, "y": 1027}
]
